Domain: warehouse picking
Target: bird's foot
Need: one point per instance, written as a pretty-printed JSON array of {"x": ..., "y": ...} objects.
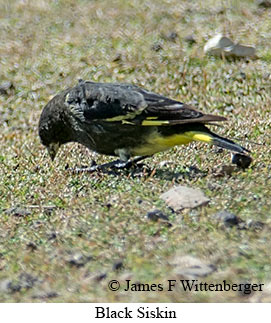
[{"x": 114, "y": 165}]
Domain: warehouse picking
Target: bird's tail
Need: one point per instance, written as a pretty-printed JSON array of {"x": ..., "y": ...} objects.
[
  {"x": 229, "y": 144},
  {"x": 214, "y": 139}
]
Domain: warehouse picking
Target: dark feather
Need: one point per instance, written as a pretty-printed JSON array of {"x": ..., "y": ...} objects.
[{"x": 116, "y": 102}]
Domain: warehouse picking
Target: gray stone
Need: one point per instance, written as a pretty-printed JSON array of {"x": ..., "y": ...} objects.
[{"x": 181, "y": 197}]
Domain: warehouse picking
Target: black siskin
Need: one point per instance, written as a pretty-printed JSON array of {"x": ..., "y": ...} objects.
[{"x": 124, "y": 120}]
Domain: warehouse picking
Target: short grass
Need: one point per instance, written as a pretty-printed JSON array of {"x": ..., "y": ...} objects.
[{"x": 45, "y": 47}]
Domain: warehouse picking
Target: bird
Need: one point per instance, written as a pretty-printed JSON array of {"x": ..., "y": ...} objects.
[{"x": 125, "y": 121}]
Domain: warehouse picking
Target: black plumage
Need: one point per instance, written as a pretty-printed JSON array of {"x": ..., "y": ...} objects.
[{"x": 123, "y": 120}]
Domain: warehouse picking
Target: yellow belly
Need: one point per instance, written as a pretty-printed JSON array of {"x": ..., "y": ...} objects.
[{"x": 155, "y": 142}]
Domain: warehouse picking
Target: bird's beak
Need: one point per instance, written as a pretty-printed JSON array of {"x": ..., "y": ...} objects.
[{"x": 53, "y": 149}]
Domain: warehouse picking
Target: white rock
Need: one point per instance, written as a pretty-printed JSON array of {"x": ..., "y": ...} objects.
[
  {"x": 243, "y": 51},
  {"x": 221, "y": 45},
  {"x": 216, "y": 45}
]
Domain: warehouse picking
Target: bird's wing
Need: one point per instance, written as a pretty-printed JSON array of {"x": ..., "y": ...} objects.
[
  {"x": 130, "y": 104},
  {"x": 164, "y": 111}
]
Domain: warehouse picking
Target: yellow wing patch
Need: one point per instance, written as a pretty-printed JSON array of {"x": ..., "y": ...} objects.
[
  {"x": 154, "y": 122},
  {"x": 150, "y": 121}
]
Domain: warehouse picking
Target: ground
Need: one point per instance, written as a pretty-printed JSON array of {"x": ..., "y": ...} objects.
[{"x": 64, "y": 236}]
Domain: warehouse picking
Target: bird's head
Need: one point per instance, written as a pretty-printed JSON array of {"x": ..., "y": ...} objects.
[
  {"x": 48, "y": 132},
  {"x": 54, "y": 127}
]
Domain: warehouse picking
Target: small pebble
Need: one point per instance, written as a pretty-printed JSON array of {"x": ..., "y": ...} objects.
[
  {"x": 229, "y": 219},
  {"x": 45, "y": 295},
  {"x": 155, "y": 215},
  {"x": 24, "y": 281},
  {"x": 100, "y": 277},
  {"x": 242, "y": 161},
  {"x": 190, "y": 39},
  {"x": 52, "y": 236},
  {"x": 78, "y": 259},
  {"x": 31, "y": 246},
  {"x": 118, "y": 265},
  {"x": 117, "y": 58},
  {"x": 156, "y": 47}
]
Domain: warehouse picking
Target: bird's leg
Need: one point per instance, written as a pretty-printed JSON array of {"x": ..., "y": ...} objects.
[
  {"x": 116, "y": 164},
  {"x": 129, "y": 163}
]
